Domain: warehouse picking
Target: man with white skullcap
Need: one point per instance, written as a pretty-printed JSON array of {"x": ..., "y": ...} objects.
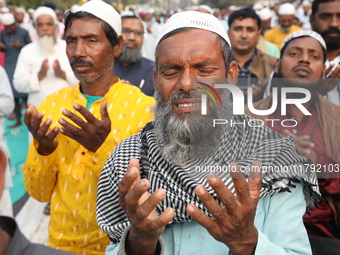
[
  {"x": 153, "y": 194},
  {"x": 12, "y": 39},
  {"x": 277, "y": 34},
  {"x": 76, "y": 128},
  {"x": 43, "y": 67},
  {"x": 22, "y": 20},
  {"x": 317, "y": 136}
]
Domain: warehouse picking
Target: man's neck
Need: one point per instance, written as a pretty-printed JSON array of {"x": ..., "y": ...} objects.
[
  {"x": 332, "y": 54},
  {"x": 98, "y": 88},
  {"x": 5, "y": 241},
  {"x": 241, "y": 59}
]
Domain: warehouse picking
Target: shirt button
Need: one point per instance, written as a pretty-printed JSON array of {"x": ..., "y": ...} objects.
[
  {"x": 83, "y": 153},
  {"x": 294, "y": 131}
]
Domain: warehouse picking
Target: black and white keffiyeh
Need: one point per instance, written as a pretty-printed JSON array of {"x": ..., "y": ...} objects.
[{"x": 282, "y": 166}]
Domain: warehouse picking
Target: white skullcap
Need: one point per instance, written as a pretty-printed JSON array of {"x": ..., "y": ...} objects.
[
  {"x": 43, "y": 10},
  {"x": 232, "y": 8},
  {"x": 105, "y": 12},
  {"x": 286, "y": 9},
  {"x": 7, "y": 19},
  {"x": 74, "y": 7},
  {"x": 193, "y": 19},
  {"x": 205, "y": 7},
  {"x": 4, "y": 9},
  {"x": 305, "y": 3},
  {"x": 265, "y": 14},
  {"x": 20, "y": 9},
  {"x": 304, "y": 33},
  {"x": 258, "y": 6},
  {"x": 31, "y": 10}
]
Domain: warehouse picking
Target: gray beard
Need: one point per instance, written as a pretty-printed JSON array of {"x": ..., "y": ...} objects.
[
  {"x": 190, "y": 136},
  {"x": 130, "y": 55},
  {"x": 285, "y": 29},
  {"x": 46, "y": 43}
]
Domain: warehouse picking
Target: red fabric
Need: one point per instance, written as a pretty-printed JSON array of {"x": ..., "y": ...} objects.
[{"x": 318, "y": 221}]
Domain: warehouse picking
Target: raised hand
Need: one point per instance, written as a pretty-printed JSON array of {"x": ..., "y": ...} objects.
[
  {"x": 91, "y": 132},
  {"x": 41, "y": 131},
  {"x": 233, "y": 223},
  {"x": 43, "y": 69},
  {"x": 139, "y": 206},
  {"x": 57, "y": 70},
  {"x": 304, "y": 145}
]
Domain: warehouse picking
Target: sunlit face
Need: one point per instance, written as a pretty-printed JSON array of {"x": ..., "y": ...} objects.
[
  {"x": 90, "y": 53},
  {"x": 45, "y": 26},
  {"x": 303, "y": 58},
  {"x": 244, "y": 35},
  {"x": 132, "y": 32},
  {"x": 182, "y": 57}
]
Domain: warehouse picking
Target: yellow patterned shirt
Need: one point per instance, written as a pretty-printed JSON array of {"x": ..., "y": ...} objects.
[{"x": 69, "y": 176}]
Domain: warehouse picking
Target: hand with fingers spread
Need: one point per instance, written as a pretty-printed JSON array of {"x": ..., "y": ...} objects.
[
  {"x": 91, "y": 132},
  {"x": 41, "y": 131},
  {"x": 304, "y": 145},
  {"x": 233, "y": 223},
  {"x": 139, "y": 206}
]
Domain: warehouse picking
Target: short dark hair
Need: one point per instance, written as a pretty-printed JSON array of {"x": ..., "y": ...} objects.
[
  {"x": 226, "y": 50},
  {"x": 244, "y": 13},
  {"x": 284, "y": 49},
  {"x": 316, "y": 3},
  {"x": 110, "y": 33}
]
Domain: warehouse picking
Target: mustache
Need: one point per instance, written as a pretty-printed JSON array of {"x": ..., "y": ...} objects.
[
  {"x": 311, "y": 71},
  {"x": 183, "y": 95},
  {"x": 129, "y": 41},
  {"x": 80, "y": 61},
  {"x": 330, "y": 31}
]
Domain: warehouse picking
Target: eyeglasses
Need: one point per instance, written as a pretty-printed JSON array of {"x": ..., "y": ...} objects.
[{"x": 129, "y": 31}]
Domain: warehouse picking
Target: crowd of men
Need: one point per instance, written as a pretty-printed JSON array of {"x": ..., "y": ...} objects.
[{"x": 125, "y": 113}]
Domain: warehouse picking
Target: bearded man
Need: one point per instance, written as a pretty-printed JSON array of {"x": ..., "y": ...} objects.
[
  {"x": 43, "y": 67},
  {"x": 154, "y": 196},
  {"x": 131, "y": 66}
]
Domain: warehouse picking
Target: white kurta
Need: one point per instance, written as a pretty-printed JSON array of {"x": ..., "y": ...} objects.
[
  {"x": 6, "y": 107},
  {"x": 28, "y": 66}
]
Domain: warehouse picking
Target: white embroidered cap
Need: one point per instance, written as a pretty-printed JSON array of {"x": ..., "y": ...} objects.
[
  {"x": 286, "y": 9},
  {"x": 265, "y": 14},
  {"x": 193, "y": 19},
  {"x": 43, "y": 10},
  {"x": 104, "y": 12},
  {"x": 304, "y": 33},
  {"x": 7, "y": 19}
]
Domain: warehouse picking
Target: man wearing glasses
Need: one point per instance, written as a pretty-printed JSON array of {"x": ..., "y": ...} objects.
[{"x": 131, "y": 67}]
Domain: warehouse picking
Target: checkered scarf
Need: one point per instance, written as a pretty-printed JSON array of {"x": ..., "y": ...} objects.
[{"x": 240, "y": 144}]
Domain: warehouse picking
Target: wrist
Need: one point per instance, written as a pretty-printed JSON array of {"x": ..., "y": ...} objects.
[
  {"x": 247, "y": 246},
  {"x": 137, "y": 243}
]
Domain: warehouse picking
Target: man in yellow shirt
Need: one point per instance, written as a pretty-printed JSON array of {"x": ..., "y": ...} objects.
[
  {"x": 277, "y": 34},
  {"x": 76, "y": 129}
]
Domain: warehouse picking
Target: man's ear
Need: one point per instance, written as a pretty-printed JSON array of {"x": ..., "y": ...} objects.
[
  {"x": 232, "y": 73},
  {"x": 154, "y": 78},
  {"x": 277, "y": 65},
  {"x": 118, "y": 47},
  {"x": 311, "y": 20}
]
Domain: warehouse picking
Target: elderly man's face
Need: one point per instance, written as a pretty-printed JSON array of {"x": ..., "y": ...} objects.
[
  {"x": 303, "y": 58},
  {"x": 182, "y": 57},
  {"x": 90, "y": 53},
  {"x": 286, "y": 21},
  {"x": 326, "y": 21},
  {"x": 179, "y": 126},
  {"x": 19, "y": 17},
  {"x": 45, "y": 26},
  {"x": 244, "y": 35}
]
